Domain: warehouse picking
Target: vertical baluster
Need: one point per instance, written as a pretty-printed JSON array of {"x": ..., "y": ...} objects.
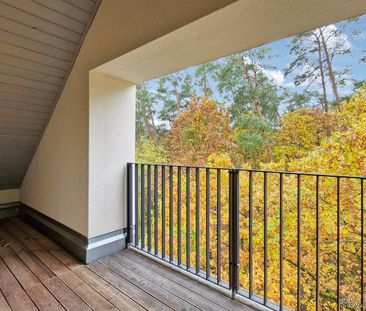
[
  {"x": 149, "y": 208},
  {"x": 142, "y": 206},
  {"x": 130, "y": 207},
  {"x": 156, "y": 209},
  {"x": 234, "y": 228},
  {"x": 188, "y": 219},
  {"x": 317, "y": 244},
  {"x": 179, "y": 215},
  {"x": 136, "y": 204},
  {"x": 265, "y": 233},
  {"x": 208, "y": 251},
  {"x": 338, "y": 244},
  {"x": 281, "y": 241},
  {"x": 171, "y": 251},
  {"x": 197, "y": 220},
  {"x": 163, "y": 211},
  {"x": 362, "y": 246},
  {"x": 218, "y": 246},
  {"x": 250, "y": 234},
  {"x": 298, "y": 242}
]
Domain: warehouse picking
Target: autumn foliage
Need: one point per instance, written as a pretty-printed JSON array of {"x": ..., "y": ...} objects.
[{"x": 307, "y": 140}]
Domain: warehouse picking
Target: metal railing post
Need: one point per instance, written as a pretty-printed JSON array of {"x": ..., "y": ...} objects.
[
  {"x": 234, "y": 230},
  {"x": 129, "y": 204}
]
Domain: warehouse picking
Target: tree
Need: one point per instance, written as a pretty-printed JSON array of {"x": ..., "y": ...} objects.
[
  {"x": 243, "y": 81},
  {"x": 254, "y": 136},
  {"x": 202, "y": 129},
  {"x": 145, "y": 113},
  {"x": 314, "y": 52},
  {"x": 300, "y": 132},
  {"x": 174, "y": 93}
]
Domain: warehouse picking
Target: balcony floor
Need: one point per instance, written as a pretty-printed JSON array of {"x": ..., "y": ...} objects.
[{"x": 37, "y": 274}]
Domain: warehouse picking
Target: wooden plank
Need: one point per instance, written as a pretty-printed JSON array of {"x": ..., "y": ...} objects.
[
  {"x": 117, "y": 283},
  {"x": 30, "y": 123},
  {"x": 29, "y": 83},
  {"x": 30, "y": 75},
  {"x": 38, "y": 293},
  {"x": 7, "y": 96},
  {"x": 24, "y": 106},
  {"x": 197, "y": 300},
  {"x": 4, "y": 306},
  {"x": 147, "y": 301},
  {"x": 179, "y": 278},
  {"x": 33, "y": 21},
  {"x": 63, "y": 294},
  {"x": 22, "y": 132},
  {"x": 23, "y": 113},
  {"x": 66, "y": 9},
  {"x": 116, "y": 297},
  {"x": 29, "y": 65},
  {"x": 146, "y": 285},
  {"x": 16, "y": 89},
  {"x": 86, "y": 5},
  {"x": 36, "y": 35},
  {"x": 35, "y": 46},
  {"x": 14, "y": 294},
  {"x": 36, "y": 57},
  {"x": 47, "y": 14},
  {"x": 78, "y": 286}
]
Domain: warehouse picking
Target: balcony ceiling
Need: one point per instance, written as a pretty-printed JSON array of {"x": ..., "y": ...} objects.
[{"x": 39, "y": 41}]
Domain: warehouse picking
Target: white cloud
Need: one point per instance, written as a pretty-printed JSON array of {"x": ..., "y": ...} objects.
[
  {"x": 276, "y": 76},
  {"x": 332, "y": 41}
]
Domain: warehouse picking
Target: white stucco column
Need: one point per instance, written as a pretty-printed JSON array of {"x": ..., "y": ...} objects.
[{"x": 111, "y": 146}]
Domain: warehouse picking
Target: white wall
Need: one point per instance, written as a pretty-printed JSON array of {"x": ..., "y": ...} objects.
[
  {"x": 9, "y": 196},
  {"x": 111, "y": 146},
  {"x": 57, "y": 181}
]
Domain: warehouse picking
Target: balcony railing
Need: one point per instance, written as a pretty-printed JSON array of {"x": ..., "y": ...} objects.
[{"x": 286, "y": 240}]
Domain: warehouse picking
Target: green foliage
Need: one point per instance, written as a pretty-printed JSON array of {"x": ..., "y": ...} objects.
[{"x": 253, "y": 136}]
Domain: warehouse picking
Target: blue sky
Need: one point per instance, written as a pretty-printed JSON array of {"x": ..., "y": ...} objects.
[{"x": 280, "y": 49}]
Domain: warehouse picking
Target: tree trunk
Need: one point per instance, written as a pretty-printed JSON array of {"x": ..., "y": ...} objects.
[
  {"x": 330, "y": 68},
  {"x": 325, "y": 100},
  {"x": 257, "y": 106}
]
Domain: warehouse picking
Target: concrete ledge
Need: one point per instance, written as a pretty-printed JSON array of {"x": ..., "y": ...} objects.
[
  {"x": 85, "y": 249},
  {"x": 9, "y": 209}
]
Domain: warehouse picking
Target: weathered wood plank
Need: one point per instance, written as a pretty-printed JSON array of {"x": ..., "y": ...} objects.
[
  {"x": 4, "y": 306},
  {"x": 82, "y": 289},
  {"x": 63, "y": 294},
  {"x": 116, "y": 297},
  {"x": 179, "y": 278},
  {"x": 161, "y": 281},
  {"x": 147, "y": 301},
  {"x": 146, "y": 285},
  {"x": 14, "y": 294}
]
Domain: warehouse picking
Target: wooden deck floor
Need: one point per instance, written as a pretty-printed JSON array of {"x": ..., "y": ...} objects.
[{"x": 37, "y": 274}]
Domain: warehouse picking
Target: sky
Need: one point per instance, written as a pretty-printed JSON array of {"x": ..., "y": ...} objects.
[{"x": 281, "y": 50}]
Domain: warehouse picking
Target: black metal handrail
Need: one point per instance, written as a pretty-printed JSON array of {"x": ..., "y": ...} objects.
[{"x": 210, "y": 221}]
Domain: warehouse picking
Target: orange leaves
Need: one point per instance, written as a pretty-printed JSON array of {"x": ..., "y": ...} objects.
[{"x": 200, "y": 131}]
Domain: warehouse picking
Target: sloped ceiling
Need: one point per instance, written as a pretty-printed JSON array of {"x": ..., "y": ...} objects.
[{"x": 39, "y": 41}]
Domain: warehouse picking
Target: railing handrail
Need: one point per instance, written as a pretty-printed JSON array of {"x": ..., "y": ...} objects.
[{"x": 253, "y": 170}]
